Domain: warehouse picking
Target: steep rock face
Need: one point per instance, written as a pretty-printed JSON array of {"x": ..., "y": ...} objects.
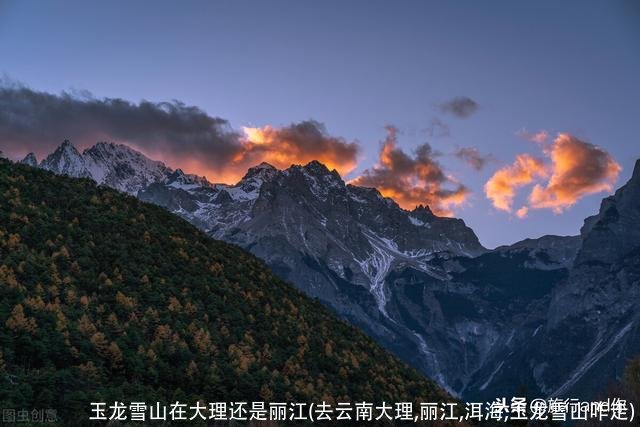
[
  {"x": 592, "y": 324},
  {"x": 614, "y": 231},
  {"x": 549, "y": 252},
  {"x": 468, "y": 314},
  {"x": 355, "y": 230},
  {"x": 66, "y": 160},
  {"x": 121, "y": 168}
]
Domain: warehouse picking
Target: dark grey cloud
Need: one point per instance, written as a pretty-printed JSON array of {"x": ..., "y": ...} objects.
[
  {"x": 472, "y": 157},
  {"x": 461, "y": 107},
  {"x": 39, "y": 121}
]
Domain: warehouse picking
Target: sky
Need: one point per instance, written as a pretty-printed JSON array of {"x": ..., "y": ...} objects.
[{"x": 516, "y": 117}]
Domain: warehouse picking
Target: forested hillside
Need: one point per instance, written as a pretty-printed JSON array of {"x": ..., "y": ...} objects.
[{"x": 104, "y": 298}]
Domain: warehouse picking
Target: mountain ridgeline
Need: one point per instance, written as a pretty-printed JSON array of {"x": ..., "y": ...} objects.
[
  {"x": 481, "y": 323},
  {"x": 105, "y": 298}
]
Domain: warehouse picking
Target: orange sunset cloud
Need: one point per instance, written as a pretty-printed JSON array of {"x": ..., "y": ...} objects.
[
  {"x": 501, "y": 187},
  {"x": 413, "y": 180},
  {"x": 299, "y": 143},
  {"x": 577, "y": 169}
]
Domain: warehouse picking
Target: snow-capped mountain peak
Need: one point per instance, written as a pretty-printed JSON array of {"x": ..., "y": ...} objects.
[
  {"x": 123, "y": 168},
  {"x": 260, "y": 170},
  {"x": 115, "y": 165},
  {"x": 256, "y": 176},
  {"x": 66, "y": 160}
]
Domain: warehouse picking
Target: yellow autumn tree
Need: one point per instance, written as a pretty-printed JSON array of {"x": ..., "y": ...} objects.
[
  {"x": 114, "y": 355},
  {"x": 100, "y": 343},
  {"x": 18, "y": 322},
  {"x": 85, "y": 326}
]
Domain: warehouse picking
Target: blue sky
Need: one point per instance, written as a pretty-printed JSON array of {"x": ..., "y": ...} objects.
[{"x": 358, "y": 66}]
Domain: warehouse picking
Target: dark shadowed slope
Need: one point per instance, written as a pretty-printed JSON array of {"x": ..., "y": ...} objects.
[{"x": 590, "y": 323}]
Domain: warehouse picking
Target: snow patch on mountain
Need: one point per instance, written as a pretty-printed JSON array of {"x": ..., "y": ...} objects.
[
  {"x": 432, "y": 360},
  {"x": 493, "y": 374},
  {"x": 599, "y": 349},
  {"x": 415, "y": 221},
  {"x": 375, "y": 267},
  {"x": 123, "y": 168}
]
